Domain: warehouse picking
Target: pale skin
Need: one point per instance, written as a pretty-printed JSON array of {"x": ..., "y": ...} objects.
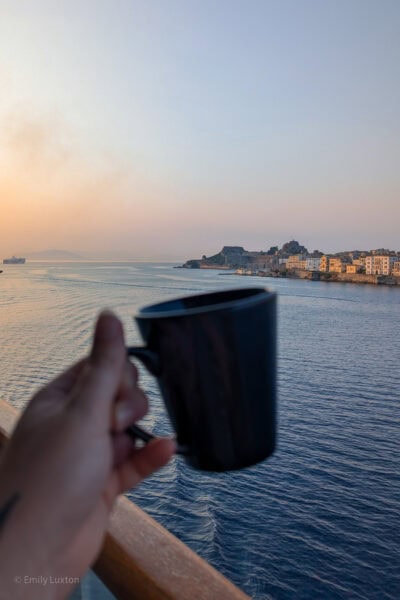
[{"x": 65, "y": 465}]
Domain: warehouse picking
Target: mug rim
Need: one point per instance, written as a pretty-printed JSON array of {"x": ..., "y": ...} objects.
[{"x": 261, "y": 295}]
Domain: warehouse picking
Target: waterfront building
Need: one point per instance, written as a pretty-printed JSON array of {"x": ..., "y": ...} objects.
[
  {"x": 379, "y": 264},
  {"x": 313, "y": 263},
  {"x": 297, "y": 261},
  {"x": 337, "y": 265},
  {"x": 396, "y": 268},
  {"x": 324, "y": 264},
  {"x": 359, "y": 262},
  {"x": 357, "y": 266}
]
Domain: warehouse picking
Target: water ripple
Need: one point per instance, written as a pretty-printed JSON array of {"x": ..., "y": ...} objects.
[{"x": 320, "y": 518}]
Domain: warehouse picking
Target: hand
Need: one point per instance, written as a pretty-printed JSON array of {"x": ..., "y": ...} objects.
[{"x": 67, "y": 461}]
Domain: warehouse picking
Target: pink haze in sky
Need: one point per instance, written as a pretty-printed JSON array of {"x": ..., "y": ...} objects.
[{"x": 167, "y": 130}]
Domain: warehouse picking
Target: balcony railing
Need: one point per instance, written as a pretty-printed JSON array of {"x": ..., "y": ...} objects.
[{"x": 140, "y": 560}]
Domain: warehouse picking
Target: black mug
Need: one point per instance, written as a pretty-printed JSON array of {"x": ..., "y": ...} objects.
[{"x": 214, "y": 356}]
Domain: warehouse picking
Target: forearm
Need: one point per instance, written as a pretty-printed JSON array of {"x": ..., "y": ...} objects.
[
  {"x": 26, "y": 570},
  {"x": 17, "y": 557}
]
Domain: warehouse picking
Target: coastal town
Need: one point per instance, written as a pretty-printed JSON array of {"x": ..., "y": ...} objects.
[{"x": 292, "y": 260}]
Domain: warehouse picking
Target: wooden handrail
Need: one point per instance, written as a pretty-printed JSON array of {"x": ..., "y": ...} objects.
[{"x": 140, "y": 559}]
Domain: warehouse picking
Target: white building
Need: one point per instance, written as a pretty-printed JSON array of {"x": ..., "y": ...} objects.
[
  {"x": 312, "y": 264},
  {"x": 379, "y": 265}
]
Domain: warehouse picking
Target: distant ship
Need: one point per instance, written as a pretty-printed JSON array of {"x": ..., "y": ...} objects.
[{"x": 14, "y": 261}]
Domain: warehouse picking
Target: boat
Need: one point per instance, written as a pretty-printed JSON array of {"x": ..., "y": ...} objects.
[{"x": 14, "y": 261}]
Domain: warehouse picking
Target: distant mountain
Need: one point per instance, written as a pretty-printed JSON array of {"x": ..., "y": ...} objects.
[{"x": 53, "y": 254}]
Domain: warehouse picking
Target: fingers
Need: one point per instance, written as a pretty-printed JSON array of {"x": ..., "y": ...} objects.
[
  {"x": 122, "y": 449},
  {"x": 131, "y": 403},
  {"x": 100, "y": 378},
  {"x": 132, "y": 408},
  {"x": 65, "y": 382},
  {"x": 144, "y": 462}
]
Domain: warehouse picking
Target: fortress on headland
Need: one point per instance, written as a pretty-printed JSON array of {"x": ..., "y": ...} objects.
[{"x": 379, "y": 266}]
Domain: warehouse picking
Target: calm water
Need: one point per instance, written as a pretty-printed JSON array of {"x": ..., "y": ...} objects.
[{"x": 320, "y": 519}]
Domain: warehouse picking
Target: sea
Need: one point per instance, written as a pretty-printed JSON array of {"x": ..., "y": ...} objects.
[{"x": 320, "y": 518}]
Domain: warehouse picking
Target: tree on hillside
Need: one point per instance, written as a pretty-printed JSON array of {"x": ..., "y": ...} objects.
[
  {"x": 273, "y": 250},
  {"x": 293, "y": 247}
]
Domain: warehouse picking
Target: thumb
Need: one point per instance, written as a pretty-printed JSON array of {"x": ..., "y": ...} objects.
[{"x": 100, "y": 379}]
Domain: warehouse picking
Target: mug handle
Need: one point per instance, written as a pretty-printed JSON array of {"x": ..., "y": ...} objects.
[
  {"x": 152, "y": 364},
  {"x": 147, "y": 357}
]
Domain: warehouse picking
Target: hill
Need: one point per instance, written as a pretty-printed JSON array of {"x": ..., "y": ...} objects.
[{"x": 53, "y": 254}]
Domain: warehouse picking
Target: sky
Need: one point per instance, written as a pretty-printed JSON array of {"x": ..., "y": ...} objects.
[{"x": 169, "y": 128}]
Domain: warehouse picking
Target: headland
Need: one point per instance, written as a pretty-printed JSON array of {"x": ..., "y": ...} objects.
[{"x": 379, "y": 267}]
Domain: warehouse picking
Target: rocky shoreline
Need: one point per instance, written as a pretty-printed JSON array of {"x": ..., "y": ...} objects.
[{"x": 359, "y": 278}]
